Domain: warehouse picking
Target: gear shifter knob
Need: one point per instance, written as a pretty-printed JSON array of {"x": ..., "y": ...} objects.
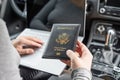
[{"x": 110, "y": 37}]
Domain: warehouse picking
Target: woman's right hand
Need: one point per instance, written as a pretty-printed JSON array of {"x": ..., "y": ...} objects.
[{"x": 26, "y": 44}]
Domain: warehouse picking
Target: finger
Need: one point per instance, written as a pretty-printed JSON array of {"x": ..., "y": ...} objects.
[
  {"x": 71, "y": 54},
  {"x": 77, "y": 54},
  {"x": 26, "y": 51},
  {"x": 83, "y": 47},
  {"x": 78, "y": 43},
  {"x": 30, "y": 43},
  {"x": 34, "y": 39},
  {"x": 75, "y": 60},
  {"x": 85, "y": 51},
  {"x": 78, "y": 48}
]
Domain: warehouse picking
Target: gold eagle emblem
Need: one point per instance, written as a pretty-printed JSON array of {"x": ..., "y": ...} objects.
[
  {"x": 58, "y": 53},
  {"x": 63, "y": 38}
]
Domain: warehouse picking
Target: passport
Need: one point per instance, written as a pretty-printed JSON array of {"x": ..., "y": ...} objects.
[{"x": 62, "y": 38}]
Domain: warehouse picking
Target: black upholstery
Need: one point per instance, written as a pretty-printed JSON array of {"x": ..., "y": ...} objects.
[
  {"x": 40, "y": 19},
  {"x": 57, "y": 11},
  {"x": 31, "y": 74}
]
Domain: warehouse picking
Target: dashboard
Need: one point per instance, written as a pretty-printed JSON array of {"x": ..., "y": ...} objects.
[
  {"x": 104, "y": 38},
  {"x": 100, "y": 8}
]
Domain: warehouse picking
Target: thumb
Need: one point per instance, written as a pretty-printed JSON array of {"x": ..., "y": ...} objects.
[{"x": 71, "y": 54}]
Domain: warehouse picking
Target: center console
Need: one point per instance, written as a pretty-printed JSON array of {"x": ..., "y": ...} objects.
[
  {"x": 104, "y": 43},
  {"x": 104, "y": 39}
]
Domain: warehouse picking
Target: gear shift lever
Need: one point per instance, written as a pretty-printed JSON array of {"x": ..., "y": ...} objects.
[
  {"x": 108, "y": 51},
  {"x": 110, "y": 38}
]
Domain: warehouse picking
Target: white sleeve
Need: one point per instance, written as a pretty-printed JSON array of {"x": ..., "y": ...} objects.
[
  {"x": 81, "y": 74},
  {"x": 9, "y": 57}
]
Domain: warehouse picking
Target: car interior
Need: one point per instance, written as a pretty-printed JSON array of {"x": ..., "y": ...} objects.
[{"x": 102, "y": 32}]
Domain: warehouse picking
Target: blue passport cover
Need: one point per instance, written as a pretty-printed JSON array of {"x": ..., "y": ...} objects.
[{"x": 62, "y": 38}]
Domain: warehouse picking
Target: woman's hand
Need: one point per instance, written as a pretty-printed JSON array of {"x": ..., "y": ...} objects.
[
  {"x": 26, "y": 44},
  {"x": 81, "y": 58}
]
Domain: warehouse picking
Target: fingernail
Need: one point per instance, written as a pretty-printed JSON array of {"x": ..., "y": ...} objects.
[
  {"x": 41, "y": 42},
  {"x": 68, "y": 52},
  {"x": 30, "y": 51},
  {"x": 39, "y": 45}
]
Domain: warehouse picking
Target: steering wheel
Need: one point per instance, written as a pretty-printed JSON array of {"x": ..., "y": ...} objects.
[{"x": 15, "y": 7}]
